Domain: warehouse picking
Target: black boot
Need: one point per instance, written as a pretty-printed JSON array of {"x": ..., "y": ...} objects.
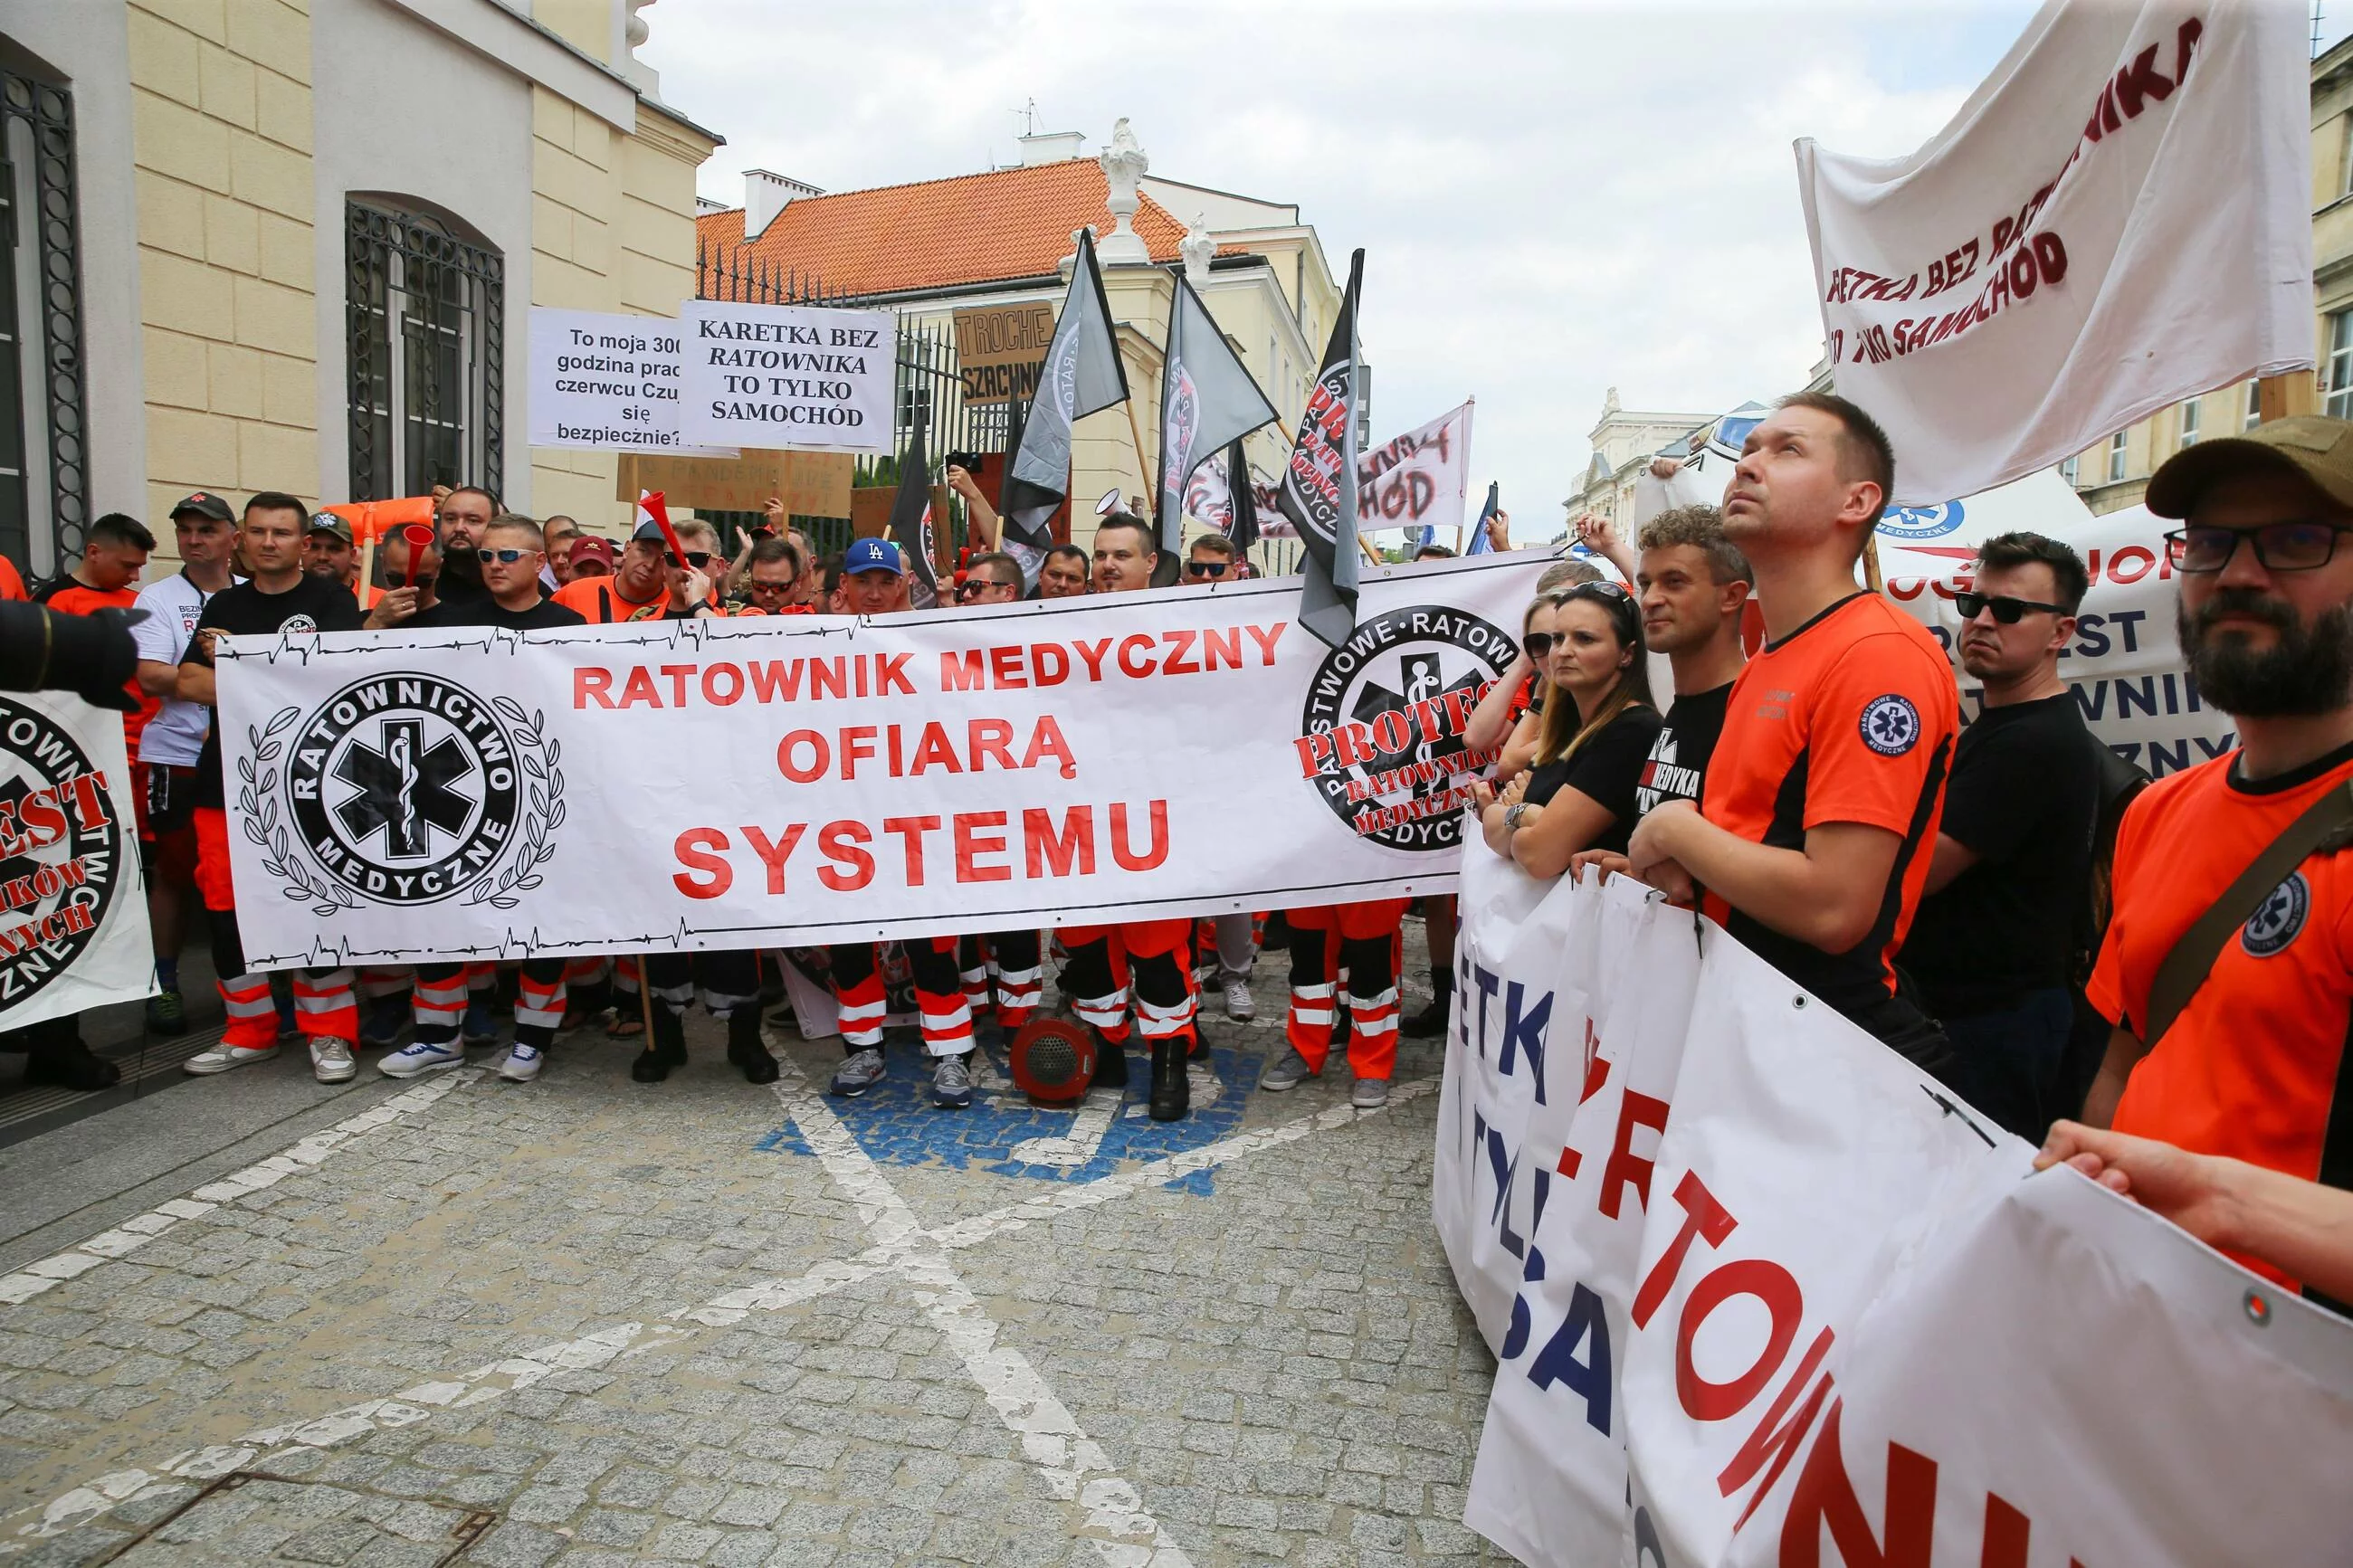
[
  {"x": 1172, "y": 1092},
  {"x": 1110, "y": 1065},
  {"x": 743, "y": 1046},
  {"x": 1430, "y": 1022},
  {"x": 666, "y": 1050},
  {"x": 64, "y": 1062}
]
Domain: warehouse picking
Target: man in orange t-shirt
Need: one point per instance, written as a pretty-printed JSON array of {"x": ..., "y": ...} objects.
[
  {"x": 1813, "y": 835},
  {"x": 114, "y": 552},
  {"x": 2254, "y": 1067}
]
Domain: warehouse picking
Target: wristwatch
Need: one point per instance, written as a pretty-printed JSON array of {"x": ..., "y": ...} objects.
[{"x": 1512, "y": 815}]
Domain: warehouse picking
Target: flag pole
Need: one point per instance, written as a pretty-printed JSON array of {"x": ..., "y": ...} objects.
[{"x": 1136, "y": 434}]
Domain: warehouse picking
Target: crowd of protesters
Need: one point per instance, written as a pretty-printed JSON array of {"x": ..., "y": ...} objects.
[{"x": 2004, "y": 903}]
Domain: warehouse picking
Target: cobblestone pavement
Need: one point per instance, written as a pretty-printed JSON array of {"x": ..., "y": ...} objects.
[{"x": 588, "y": 1321}]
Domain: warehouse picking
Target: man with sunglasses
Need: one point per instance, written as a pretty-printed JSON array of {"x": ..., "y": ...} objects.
[
  {"x": 1993, "y": 949},
  {"x": 511, "y": 552},
  {"x": 1812, "y": 836},
  {"x": 1209, "y": 561},
  {"x": 774, "y": 578},
  {"x": 509, "y": 559},
  {"x": 650, "y": 584},
  {"x": 2253, "y": 1063},
  {"x": 993, "y": 578}
]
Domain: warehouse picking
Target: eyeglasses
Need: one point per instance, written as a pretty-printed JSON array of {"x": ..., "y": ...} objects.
[
  {"x": 698, "y": 559},
  {"x": 1540, "y": 644},
  {"x": 973, "y": 587},
  {"x": 2297, "y": 546},
  {"x": 760, "y": 587},
  {"x": 2006, "y": 610},
  {"x": 504, "y": 557},
  {"x": 1207, "y": 568}
]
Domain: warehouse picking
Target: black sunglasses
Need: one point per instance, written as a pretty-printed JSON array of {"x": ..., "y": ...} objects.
[
  {"x": 973, "y": 587},
  {"x": 1539, "y": 643},
  {"x": 1207, "y": 568},
  {"x": 698, "y": 559},
  {"x": 2006, "y": 610},
  {"x": 508, "y": 557},
  {"x": 2297, "y": 546}
]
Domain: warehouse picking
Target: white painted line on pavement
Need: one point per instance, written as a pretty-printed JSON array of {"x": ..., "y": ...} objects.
[
  {"x": 300, "y": 1156},
  {"x": 1073, "y": 1464}
]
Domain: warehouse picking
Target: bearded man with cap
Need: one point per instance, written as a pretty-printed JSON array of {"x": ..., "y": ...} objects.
[
  {"x": 2230, "y": 1032},
  {"x": 328, "y": 550},
  {"x": 874, "y": 582}
]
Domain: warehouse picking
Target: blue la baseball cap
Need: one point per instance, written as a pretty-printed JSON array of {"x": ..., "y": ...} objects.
[{"x": 873, "y": 555}]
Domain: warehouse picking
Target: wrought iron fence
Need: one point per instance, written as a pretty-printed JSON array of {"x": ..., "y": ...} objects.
[{"x": 41, "y": 335}]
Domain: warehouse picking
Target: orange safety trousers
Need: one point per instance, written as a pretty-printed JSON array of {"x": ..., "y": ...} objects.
[{"x": 1365, "y": 940}]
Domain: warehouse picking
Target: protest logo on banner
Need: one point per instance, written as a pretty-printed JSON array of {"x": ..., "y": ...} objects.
[
  {"x": 2111, "y": 141},
  {"x": 938, "y": 771},
  {"x": 1381, "y": 734},
  {"x": 799, "y": 376},
  {"x": 402, "y": 789},
  {"x": 1421, "y": 480},
  {"x": 607, "y": 382},
  {"x": 73, "y": 923}
]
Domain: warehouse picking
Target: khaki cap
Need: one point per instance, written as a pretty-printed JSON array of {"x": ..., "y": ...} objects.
[{"x": 2320, "y": 450}]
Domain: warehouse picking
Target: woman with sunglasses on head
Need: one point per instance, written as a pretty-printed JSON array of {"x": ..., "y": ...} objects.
[{"x": 1598, "y": 724}]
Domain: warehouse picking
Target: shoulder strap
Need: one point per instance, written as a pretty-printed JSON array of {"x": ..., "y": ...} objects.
[{"x": 2325, "y": 824}]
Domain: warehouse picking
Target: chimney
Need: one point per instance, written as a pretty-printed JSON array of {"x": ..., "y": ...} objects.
[
  {"x": 1050, "y": 147},
  {"x": 764, "y": 196}
]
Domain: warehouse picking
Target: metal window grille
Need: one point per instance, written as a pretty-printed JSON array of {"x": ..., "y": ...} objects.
[
  {"x": 425, "y": 314},
  {"x": 44, "y": 504}
]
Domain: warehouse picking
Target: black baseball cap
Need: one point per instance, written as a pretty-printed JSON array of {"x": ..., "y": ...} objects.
[{"x": 204, "y": 503}]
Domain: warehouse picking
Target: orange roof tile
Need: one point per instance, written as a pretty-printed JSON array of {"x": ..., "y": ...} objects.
[{"x": 936, "y": 234}]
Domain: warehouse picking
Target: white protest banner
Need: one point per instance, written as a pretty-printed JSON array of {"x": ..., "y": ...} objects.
[
  {"x": 73, "y": 910},
  {"x": 1976, "y": 1417},
  {"x": 1829, "y": 1306},
  {"x": 607, "y": 382},
  {"x": 1550, "y": 1482},
  {"x": 796, "y": 377},
  {"x": 2124, "y": 665},
  {"x": 2014, "y": 290},
  {"x": 782, "y": 781},
  {"x": 1419, "y": 480}
]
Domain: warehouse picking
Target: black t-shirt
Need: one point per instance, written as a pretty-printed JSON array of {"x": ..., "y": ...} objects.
[
  {"x": 312, "y": 604},
  {"x": 2024, "y": 797},
  {"x": 487, "y": 613},
  {"x": 1606, "y": 768},
  {"x": 1677, "y": 765}
]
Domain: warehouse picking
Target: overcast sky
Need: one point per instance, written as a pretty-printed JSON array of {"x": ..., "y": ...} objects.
[{"x": 1553, "y": 199}]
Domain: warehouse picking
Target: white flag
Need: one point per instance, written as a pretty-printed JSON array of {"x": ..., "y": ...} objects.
[{"x": 2119, "y": 218}]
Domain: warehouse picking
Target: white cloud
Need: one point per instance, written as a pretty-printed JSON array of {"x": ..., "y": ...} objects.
[{"x": 1553, "y": 200}]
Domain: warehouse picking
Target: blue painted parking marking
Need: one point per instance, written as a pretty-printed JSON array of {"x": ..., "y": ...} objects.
[{"x": 1002, "y": 1132}]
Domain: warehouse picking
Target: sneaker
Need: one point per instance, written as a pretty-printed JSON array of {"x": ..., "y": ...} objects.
[
  {"x": 422, "y": 1057},
  {"x": 521, "y": 1063},
  {"x": 168, "y": 1013},
  {"x": 480, "y": 1027},
  {"x": 1288, "y": 1073},
  {"x": 222, "y": 1058},
  {"x": 331, "y": 1059},
  {"x": 952, "y": 1082},
  {"x": 1241, "y": 1005},
  {"x": 381, "y": 1029},
  {"x": 1369, "y": 1094},
  {"x": 860, "y": 1072}
]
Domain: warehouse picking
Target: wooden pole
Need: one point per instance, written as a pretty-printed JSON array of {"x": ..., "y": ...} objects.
[
  {"x": 1137, "y": 435},
  {"x": 1871, "y": 578},
  {"x": 368, "y": 571},
  {"x": 2285, "y": 396}
]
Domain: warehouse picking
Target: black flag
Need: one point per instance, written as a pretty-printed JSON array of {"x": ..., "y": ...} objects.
[
  {"x": 1243, "y": 529},
  {"x": 1318, "y": 483},
  {"x": 1082, "y": 375},
  {"x": 911, "y": 518},
  {"x": 1206, "y": 401}
]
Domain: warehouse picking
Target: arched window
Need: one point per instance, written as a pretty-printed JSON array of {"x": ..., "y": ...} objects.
[
  {"x": 43, "y": 458},
  {"x": 425, "y": 323}
]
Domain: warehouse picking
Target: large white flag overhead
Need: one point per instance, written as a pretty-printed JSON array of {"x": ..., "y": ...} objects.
[{"x": 2119, "y": 218}]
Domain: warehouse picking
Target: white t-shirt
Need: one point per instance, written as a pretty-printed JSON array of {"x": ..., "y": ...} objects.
[{"x": 176, "y": 735}]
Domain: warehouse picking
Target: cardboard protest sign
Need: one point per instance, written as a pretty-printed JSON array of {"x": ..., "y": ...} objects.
[
  {"x": 1001, "y": 349},
  {"x": 810, "y": 484}
]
